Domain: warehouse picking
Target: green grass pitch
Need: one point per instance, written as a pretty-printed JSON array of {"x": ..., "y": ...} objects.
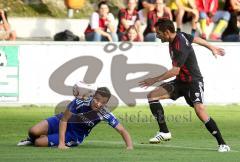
[{"x": 191, "y": 142}]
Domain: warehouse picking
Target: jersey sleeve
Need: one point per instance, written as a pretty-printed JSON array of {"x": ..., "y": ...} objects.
[
  {"x": 111, "y": 120},
  {"x": 183, "y": 48}
]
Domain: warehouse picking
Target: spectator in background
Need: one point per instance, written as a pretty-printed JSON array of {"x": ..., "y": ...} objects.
[
  {"x": 232, "y": 6},
  {"x": 128, "y": 17},
  {"x": 209, "y": 12},
  {"x": 6, "y": 33},
  {"x": 100, "y": 23},
  {"x": 144, "y": 7},
  {"x": 152, "y": 18},
  {"x": 183, "y": 11},
  {"x": 132, "y": 35},
  {"x": 231, "y": 33},
  {"x": 146, "y": 4}
]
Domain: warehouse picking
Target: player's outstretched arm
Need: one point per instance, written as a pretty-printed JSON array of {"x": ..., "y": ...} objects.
[
  {"x": 62, "y": 129},
  {"x": 125, "y": 135},
  {"x": 215, "y": 50},
  {"x": 168, "y": 74}
]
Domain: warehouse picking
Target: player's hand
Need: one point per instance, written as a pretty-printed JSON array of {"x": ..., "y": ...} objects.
[
  {"x": 218, "y": 51},
  {"x": 62, "y": 147},
  {"x": 147, "y": 82}
]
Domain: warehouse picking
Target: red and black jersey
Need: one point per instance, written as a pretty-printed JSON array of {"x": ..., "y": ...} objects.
[
  {"x": 102, "y": 25},
  {"x": 126, "y": 38},
  {"x": 183, "y": 56},
  {"x": 152, "y": 19},
  {"x": 140, "y": 6},
  {"x": 123, "y": 14}
]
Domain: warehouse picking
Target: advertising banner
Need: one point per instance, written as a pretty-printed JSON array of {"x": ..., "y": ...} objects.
[{"x": 9, "y": 73}]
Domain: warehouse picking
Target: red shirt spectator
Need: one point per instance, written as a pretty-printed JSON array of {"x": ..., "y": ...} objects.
[
  {"x": 208, "y": 6},
  {"x": 98, "y": 22},
  {"x": 130, "y": 18},
  {"x": 152, "y": 19},
  {"x": 132, "y": 35},
  {"x": 101, "y": 26}
]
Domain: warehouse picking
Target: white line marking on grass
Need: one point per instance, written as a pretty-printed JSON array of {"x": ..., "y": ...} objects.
[{"x": 154, "y": 145}]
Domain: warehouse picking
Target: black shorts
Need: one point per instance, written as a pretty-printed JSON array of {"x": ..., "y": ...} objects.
[{"x": 192, "y": 92}]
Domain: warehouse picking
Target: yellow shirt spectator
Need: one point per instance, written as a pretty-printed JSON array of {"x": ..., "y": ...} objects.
[{"x": 173, "y": 5}]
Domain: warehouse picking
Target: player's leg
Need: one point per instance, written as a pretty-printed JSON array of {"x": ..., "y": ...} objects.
[
  {"x": 201, "y": 112},
  {"x": 161, "y": 92},
  {"x": 211, "y": 126},
  {"x": 53, "y": 140},
  {"x": 156, "y": 107},
  {"x": 47, "y": 140},
  {"x": 41, "y": 141},
  {"x": 35, "y": 132},
  {"x": 39, "y": 129},
  {"x": 195, "y": 99},
  {"x": 43, "y": 128}
]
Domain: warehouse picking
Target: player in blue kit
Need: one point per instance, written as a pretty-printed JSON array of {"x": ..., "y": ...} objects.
[{"x": 71, "y": 127}]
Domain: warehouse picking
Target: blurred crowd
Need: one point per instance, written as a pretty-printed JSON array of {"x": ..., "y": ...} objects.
[{"x": 136, "y": 21}]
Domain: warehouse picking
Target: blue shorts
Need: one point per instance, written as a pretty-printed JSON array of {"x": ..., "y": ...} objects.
[{"x": 53, "y": 134}]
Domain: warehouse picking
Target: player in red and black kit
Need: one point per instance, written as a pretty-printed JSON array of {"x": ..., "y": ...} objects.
[{"x": 188, "y": 82}]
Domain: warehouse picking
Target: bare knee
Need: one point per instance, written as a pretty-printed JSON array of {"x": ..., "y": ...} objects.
[
  {"x": 41, "y": 142},
  {"x": 201, "y": 112},
  {"x": 199, "y": 108},
  {"x": 149, "y": 95},
  {"x": 39, "y": 129},
  {"x": 157, "y": 95},
  {"x": 32, "y": 131},
  {"x": 152, "y": 96},
  {"x": 37, "y": 142}
]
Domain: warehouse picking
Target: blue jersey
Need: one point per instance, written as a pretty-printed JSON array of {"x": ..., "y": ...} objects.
[{"x": 84, "y": 118}]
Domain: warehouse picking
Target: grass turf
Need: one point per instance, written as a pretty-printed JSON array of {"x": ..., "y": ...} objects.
[{"x": 191, "y": 141}]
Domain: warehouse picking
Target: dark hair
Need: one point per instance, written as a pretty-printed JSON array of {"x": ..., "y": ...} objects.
[
  {"x": 165, "y": 24},
  {"x": 132, "y": 27},
  {"x": 102, "y": 3},
  {"x": 104, "y": 92},
  {"x": 5, "y": 13}
]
